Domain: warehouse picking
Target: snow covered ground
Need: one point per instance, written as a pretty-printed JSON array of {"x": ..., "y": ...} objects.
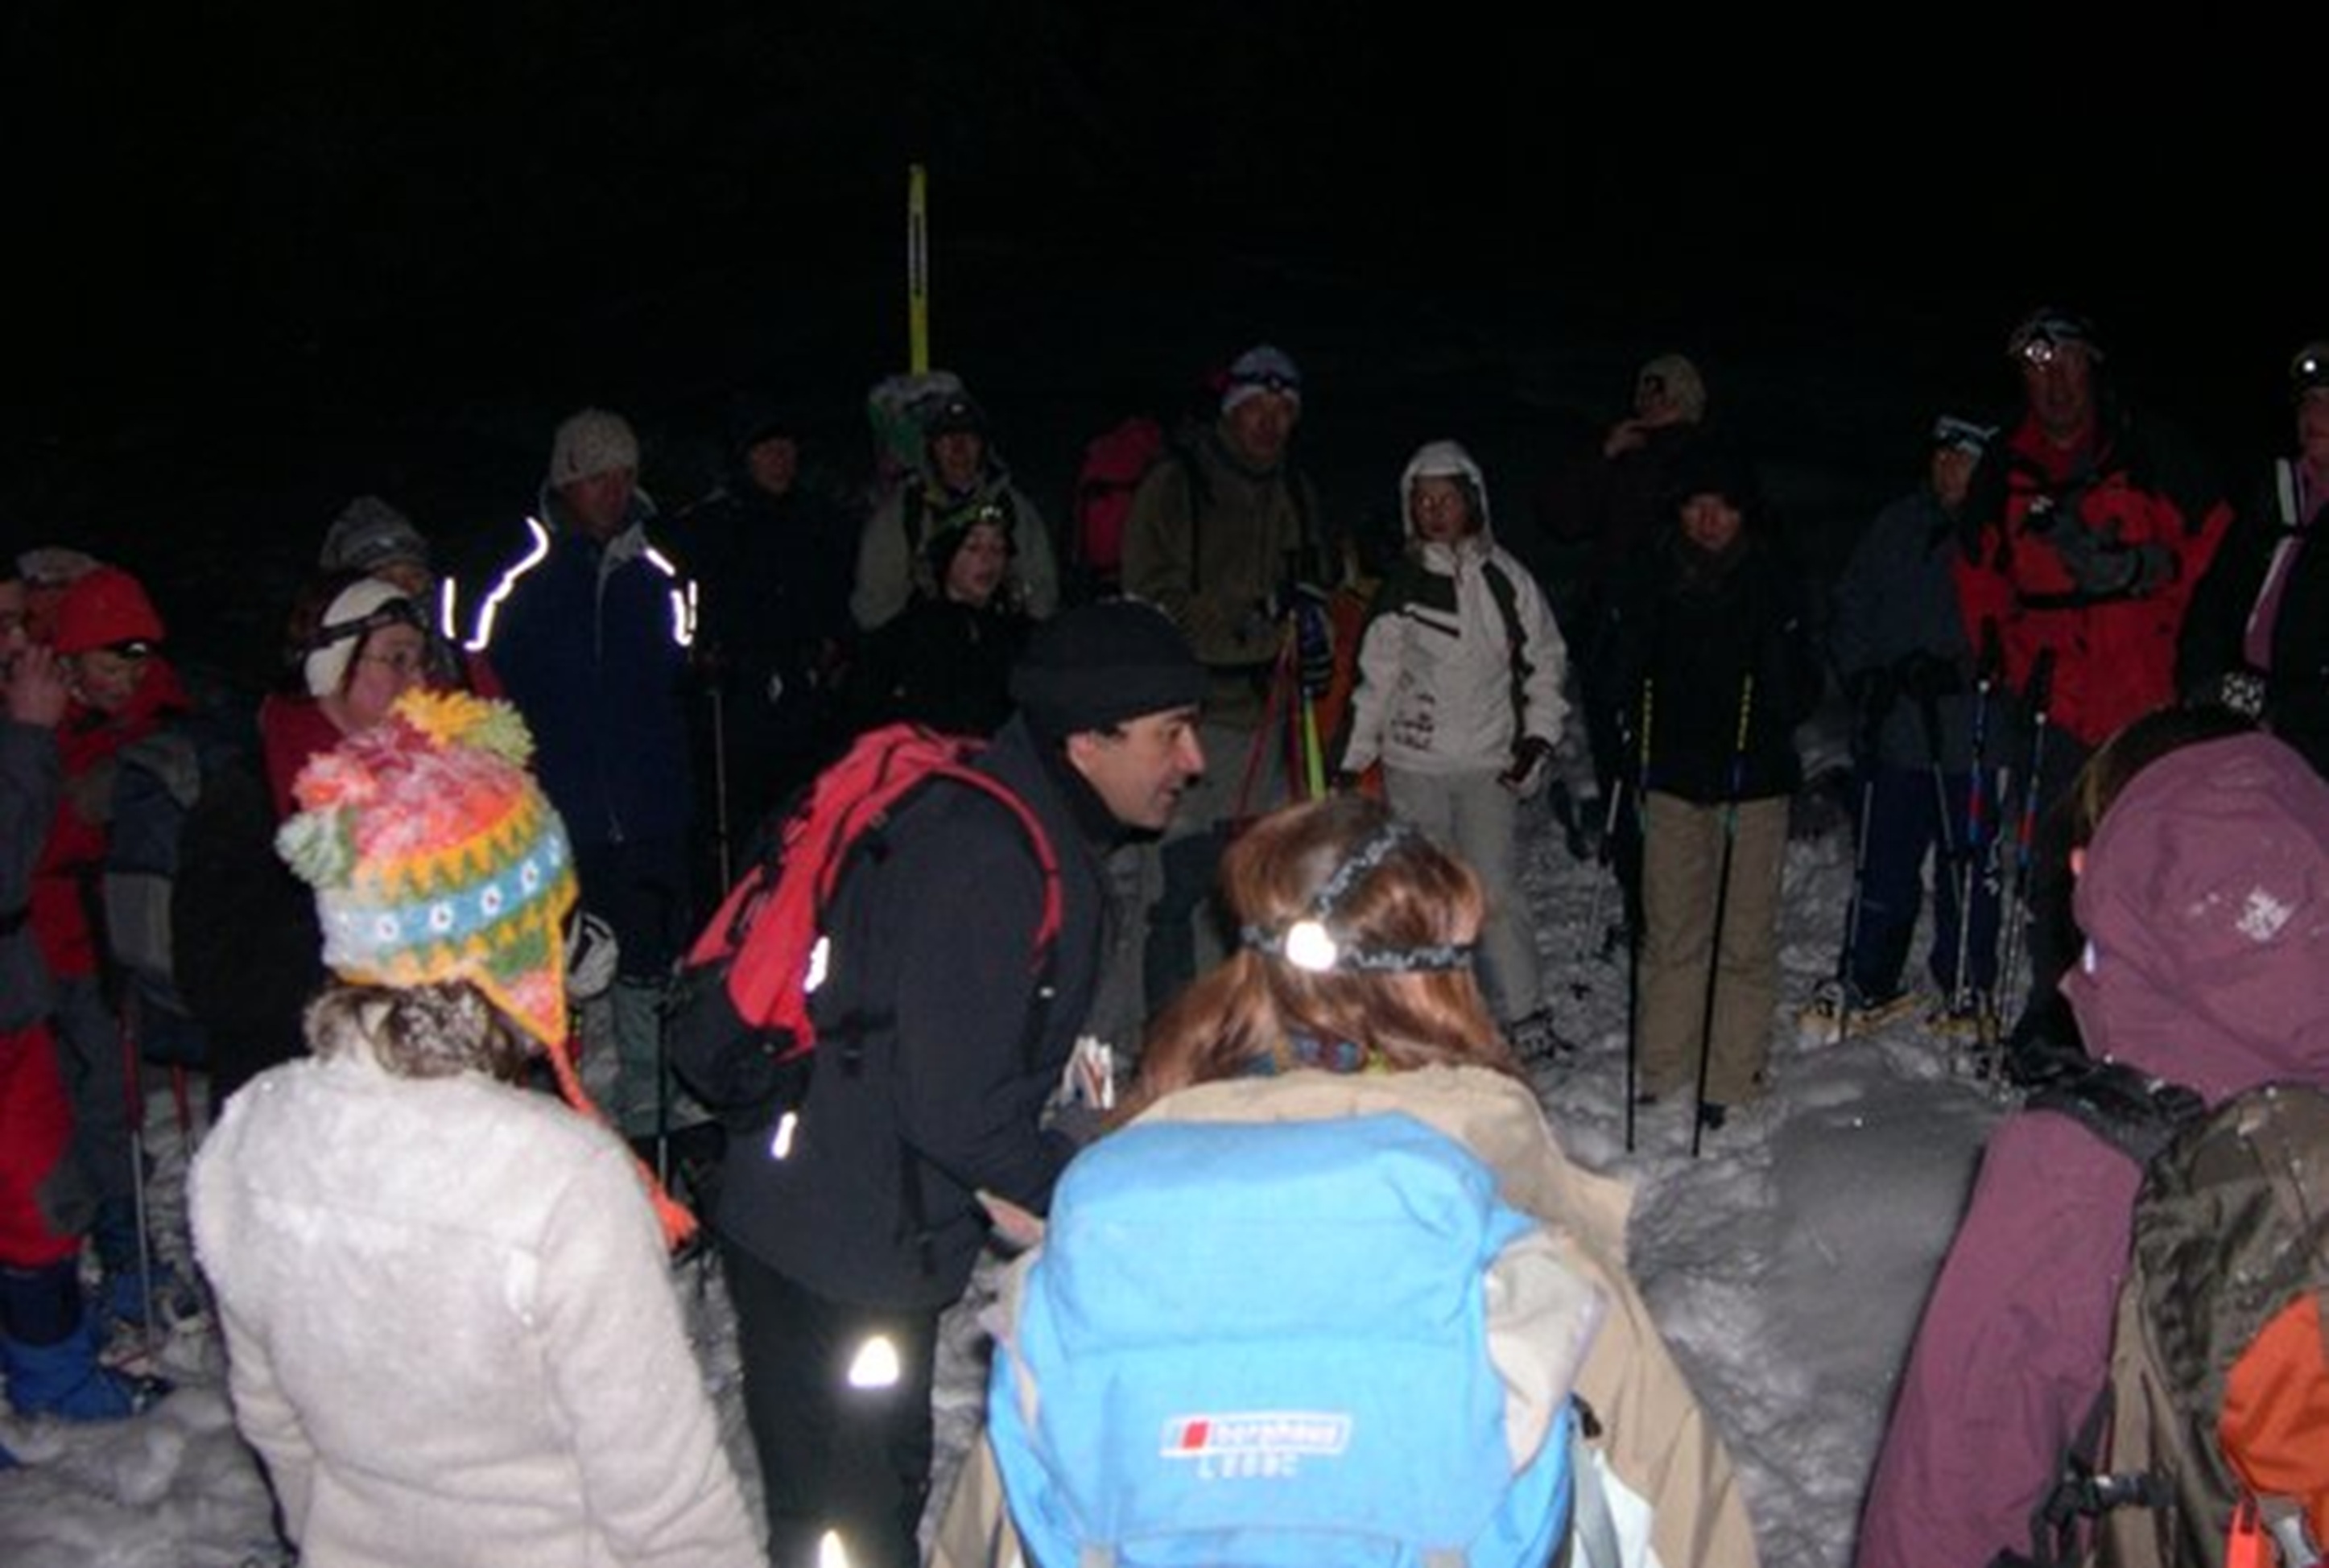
[{"x": 1787, "y": 1263}]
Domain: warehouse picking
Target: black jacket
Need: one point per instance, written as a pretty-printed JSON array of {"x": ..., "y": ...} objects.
[
  {"x": 937, "y": 1090},
  {"x": 1687, "y": 631}
]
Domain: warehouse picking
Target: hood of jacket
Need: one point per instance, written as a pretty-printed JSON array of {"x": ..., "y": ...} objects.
[
  {"x": 1446, "y": 460},
  {"x": 2206, "y": 902}
]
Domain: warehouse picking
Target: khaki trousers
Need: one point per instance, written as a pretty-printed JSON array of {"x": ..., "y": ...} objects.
[{"x": 1682, "y": 870}]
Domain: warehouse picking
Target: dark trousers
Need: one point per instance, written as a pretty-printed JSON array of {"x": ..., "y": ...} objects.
[
  {"x": 1908, "y": 819},
  {"x": 836, "y": 1454}
]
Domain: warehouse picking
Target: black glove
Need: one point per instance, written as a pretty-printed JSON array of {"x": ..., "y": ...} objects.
[
  {"x": 1532, "y": 766},
  {"x": 1314, "y": 646},
  {"x": 2101, "y": 567},
  {"x": 1924, "y": 676},
  {"x": 1290, "y": 597},
  {"x": 1873, "y": 693}
]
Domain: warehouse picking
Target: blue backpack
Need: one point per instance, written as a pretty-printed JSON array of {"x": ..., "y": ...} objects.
[{"x": 1266, "y": 1344}]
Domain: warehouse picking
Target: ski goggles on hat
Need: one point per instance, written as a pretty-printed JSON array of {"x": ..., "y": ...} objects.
[{"x": 1314, "y": 944}]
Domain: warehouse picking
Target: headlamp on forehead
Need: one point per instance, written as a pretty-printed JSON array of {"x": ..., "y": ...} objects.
[
  {"x": 1316, "y": 945},
  {"x": 1268, "y": 381},
  {"x": 2309, "y": 370},
  {"x": 2043, "y": 335}
]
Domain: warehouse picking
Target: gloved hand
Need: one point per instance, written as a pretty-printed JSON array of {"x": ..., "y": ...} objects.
[
  {"x": 1289, "y": 597},
  {"x": 1313, "y": 647},
  {"x": 1532, "y": 766},
  {"x": 1872, "y": 693},
  {"x": 592, "y": 955},
  {"x": 1924, "y": 675},
  {"x": 2100, "y": 567}
]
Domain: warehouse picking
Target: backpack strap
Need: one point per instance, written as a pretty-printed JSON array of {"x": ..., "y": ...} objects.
[
  {"x": 1518, "y": 668},
  {"x": 1592, "y": 1537},
  {"x": 2083, "y": 1492}
]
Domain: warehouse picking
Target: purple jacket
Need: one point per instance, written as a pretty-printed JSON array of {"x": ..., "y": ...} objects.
[{"x": 2205, "y": 900}]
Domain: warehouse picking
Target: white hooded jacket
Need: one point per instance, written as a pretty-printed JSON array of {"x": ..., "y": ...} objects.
[{"x": 1460, "y": 660}]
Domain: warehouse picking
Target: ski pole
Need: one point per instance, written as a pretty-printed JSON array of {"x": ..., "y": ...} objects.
[
  {"x": 1945, "y": 847},
  {"x": 1722, "y": 907},
  {"x": 1851, "y": 910},
  {"x": 1879, "y": 703},
  {"x": 134, "y": 1097},
  {"x": 1260, "y": 748},
  {"x": 1634, "y": 935},
  {"x": 1607, "y": 870},
  {"x": 2041, "y": 680},
  {"x": 1977, "y": 849},
  {"x": 720, "y": 775}
]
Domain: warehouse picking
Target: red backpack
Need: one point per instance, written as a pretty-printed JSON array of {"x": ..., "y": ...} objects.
[
  {"x": 738, "y": 1026},
  {"x": 1114, "y": 464}
]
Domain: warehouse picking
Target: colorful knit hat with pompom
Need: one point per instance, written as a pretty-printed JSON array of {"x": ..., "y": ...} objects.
[{"x": 435, "y": 857}]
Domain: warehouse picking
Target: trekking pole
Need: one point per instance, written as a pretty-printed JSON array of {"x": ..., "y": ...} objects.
[
  {"x": 1977, "y": 849},
  {"x": 1945, "y": 847},
  {"x": 1257, "y": 750},
  {"x": 1872, "y": 722},
  {"x": 1634, "y": 935},
  {"x": 2025, "y": 834},
  {"x": 1607, "y": 870},
  {"x": 719, "y": 776},
  {"x": 1843, "y": 987},
  {"x": 1722, "y": 907},
  {"x": 134, "y": 1098}
]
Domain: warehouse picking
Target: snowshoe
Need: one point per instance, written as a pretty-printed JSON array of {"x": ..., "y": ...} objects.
[{"x": 1839, "y": 1005}]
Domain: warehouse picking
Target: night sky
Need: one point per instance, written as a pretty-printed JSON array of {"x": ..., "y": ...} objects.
[{"x": 315, "y": 216}]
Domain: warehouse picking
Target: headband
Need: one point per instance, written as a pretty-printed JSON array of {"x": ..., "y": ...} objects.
[{"x": 1312, "y": 942}]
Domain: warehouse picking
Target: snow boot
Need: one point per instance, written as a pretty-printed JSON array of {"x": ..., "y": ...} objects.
[{"x": 48, "y": 1351}]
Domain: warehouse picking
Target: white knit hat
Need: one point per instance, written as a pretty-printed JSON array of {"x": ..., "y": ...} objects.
[
  {"x": 590, "y": 443},
  {"x": 368, "y": 534},
  {"x": 360, "y": 608}
]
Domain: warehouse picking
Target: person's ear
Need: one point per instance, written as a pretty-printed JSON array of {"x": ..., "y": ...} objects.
[{"x": 2078, "y": 860}]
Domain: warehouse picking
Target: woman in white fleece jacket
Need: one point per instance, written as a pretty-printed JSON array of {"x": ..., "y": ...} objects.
[
  {"x": 451, "y": 1330},
  {"x": 1459, "y": 699}
]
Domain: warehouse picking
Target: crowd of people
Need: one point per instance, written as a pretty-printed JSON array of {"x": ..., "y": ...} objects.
[{"x": 454, "y": 852}]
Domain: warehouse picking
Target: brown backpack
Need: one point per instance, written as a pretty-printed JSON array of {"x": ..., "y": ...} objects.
[{"x": 2211, "y": 1442}]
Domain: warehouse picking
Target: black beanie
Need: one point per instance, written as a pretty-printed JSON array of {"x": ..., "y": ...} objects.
[{"x": 1098, "y": 664}]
